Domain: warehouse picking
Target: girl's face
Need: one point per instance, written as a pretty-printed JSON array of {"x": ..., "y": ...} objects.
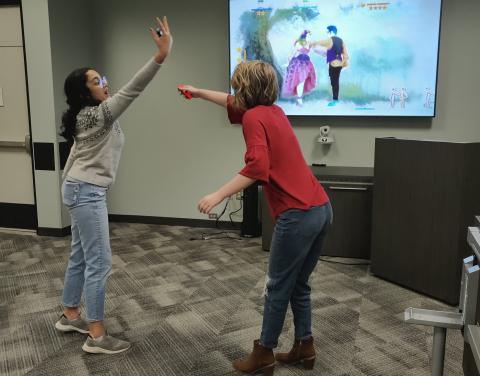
[{"x": 97, "y": 85}]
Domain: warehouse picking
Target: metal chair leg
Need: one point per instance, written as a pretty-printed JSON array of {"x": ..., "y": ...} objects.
[{"x": 438, "y": 351}]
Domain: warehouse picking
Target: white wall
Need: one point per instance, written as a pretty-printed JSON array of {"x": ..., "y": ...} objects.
[
  {"x": 177, "y": 151},
  {"x": 73, "y": 45}
]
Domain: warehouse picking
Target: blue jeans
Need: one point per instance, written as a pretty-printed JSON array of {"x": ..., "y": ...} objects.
[
  {"x": 296, "y": 246},
  {"x": 90, "y": 260}
]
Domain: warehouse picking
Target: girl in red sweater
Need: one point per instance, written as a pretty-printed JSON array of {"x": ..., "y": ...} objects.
[{"x": 296, "y": 199}]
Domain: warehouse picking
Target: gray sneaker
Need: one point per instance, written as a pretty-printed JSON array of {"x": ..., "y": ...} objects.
[
  {"x": 77, "y": 325},
  {"x": 105, "y": 345}
]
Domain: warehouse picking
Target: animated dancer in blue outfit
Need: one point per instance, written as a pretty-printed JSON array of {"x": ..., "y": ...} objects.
[{"x": 337, "y": 58}]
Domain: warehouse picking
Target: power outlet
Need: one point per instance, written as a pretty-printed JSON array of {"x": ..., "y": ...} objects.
[{"x": 212, "y": 216}]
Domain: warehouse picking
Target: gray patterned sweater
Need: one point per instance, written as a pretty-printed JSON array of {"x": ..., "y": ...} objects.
[{"x": 99, "y": 140}]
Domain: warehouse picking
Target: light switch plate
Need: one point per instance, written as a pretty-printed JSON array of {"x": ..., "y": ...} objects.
[{"x": 1, "y": 97}]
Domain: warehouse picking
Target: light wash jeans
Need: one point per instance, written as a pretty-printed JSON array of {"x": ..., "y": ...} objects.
[
  {"x": 296, "y": 246},
  {"x": 90, "y": 260}
]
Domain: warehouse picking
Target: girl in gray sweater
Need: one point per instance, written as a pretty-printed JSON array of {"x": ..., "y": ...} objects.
[{"x": 91, "y": 123}]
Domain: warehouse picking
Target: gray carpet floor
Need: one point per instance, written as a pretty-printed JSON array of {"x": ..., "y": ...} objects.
[{"x": 192, "y": 306}]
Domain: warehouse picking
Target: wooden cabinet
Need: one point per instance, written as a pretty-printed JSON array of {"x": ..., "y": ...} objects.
[
  {"x": 425, "y": 196},
  {"x": 350, "y": 192},
  {"x": 350, "y": 233}
]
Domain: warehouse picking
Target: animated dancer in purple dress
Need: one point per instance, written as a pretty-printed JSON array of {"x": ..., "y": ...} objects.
[{"x": 301, "y": 77}]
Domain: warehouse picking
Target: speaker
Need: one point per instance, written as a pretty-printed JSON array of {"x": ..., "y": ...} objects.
[{"x": 251, "y": 226}]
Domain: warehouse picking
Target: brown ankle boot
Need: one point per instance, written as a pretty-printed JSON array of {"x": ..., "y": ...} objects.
[
  {"x": 260, "y": 360},
  {"x": 301, "y": 352}
]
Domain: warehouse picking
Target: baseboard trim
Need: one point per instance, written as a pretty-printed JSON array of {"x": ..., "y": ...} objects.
[
  {"x": 18, "y": 216},
  {"x": 10, "y": 2},
  {"x": 168, "y": 221},
  {"x": 54, "y": 232}
]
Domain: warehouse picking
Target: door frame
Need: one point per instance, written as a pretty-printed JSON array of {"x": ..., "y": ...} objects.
[{"x": 34, "y": 225}]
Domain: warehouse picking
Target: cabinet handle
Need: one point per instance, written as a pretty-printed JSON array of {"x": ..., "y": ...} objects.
[
  {"x": 335, "y": 188},
  {"x": 17, "y": 144},
  {"x": 12, "y": 144}
]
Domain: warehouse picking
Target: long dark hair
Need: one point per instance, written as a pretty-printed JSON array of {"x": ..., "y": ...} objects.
[{"x": 78, "y": 96}]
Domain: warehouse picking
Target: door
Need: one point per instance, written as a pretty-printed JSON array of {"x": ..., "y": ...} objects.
[{"x": 17, "y": 203}]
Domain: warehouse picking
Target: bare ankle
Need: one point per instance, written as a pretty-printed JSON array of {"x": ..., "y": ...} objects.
[
  {"x": 96, "y": 329},
  {"x": 71, "y": 313}
]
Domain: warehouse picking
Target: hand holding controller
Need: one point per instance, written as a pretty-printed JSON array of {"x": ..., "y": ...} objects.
[{"x": 187, "y": 94}]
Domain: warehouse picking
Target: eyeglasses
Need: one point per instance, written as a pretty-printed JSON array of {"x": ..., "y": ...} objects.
[{"x": 103, "y": 82}]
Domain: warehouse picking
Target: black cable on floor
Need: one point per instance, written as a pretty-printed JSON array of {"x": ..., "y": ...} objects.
[
  {"x": 222, "y": 213},
  {"x": 205, "y": 236},
  {"x": 210, "y": 237},
  {"x": 366, "y": 262},
  {"x": 234, "y": 212}
]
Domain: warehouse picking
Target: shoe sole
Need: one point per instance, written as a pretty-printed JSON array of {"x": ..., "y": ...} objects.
[
  {"x": 267, "y": 370},
  {"x": 99, "y": 350},
  {"x": 69, "y": 328},
  {"x": 308, "y": 363}
]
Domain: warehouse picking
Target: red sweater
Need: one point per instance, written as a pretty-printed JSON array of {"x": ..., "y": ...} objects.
[{"x": 274, "y": 158}]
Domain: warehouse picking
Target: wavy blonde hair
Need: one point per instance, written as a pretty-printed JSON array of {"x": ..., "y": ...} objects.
[{"x": 255, "y": 83}]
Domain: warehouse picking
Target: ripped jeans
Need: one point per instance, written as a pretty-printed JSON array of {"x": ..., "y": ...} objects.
[
  {"x": 90, "y": 260},
  {"x": 296, "y": 246}
]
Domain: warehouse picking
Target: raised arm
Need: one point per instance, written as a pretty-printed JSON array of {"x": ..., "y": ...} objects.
[
  {"x": 114, "y": 106},
  {"x": 164, "y": 42}
]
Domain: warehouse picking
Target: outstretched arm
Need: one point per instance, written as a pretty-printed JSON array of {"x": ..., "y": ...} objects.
[
  {"x": 217, "y": 97},
  {"x": 327, "y": 43},
  {"x": 256, "y": 169},
  {"x": 238, "y": 183}
]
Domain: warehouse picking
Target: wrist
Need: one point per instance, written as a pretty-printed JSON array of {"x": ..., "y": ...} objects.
[
  {"x": 159, "y": 58},
  {"x": 220, "y": 195}
]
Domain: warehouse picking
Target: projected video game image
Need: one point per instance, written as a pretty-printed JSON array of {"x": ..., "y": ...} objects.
[{"x": 343, "y": 57}]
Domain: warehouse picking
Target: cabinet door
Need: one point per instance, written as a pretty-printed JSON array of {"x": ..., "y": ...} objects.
[{"x": 350, "y": 233}]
